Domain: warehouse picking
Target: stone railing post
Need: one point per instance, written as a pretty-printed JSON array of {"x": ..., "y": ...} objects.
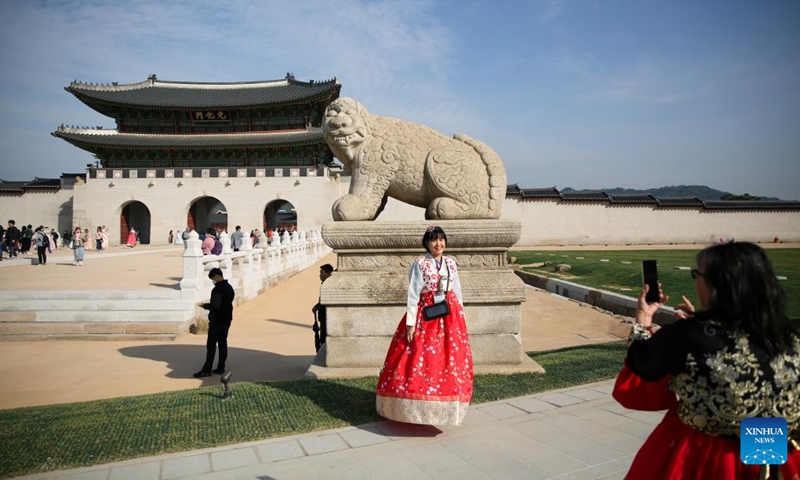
[
  {"x": 226, "y": 263},
  {"x": 192, "y": 281}
]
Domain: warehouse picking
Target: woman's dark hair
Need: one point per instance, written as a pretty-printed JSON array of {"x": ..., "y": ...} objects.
[
  {"x": 746, "y": 295},
  {"x": 432, "y": 233}
]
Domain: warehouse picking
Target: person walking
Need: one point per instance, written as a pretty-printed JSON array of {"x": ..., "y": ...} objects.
[
  {"x": 42, "y": 244},
  {"x": 220, "y": 316},
  {"x": 27, "y": 238},
  {"x": 237, "y": 239},
  {"x": 427, "y": 376},
  {"x": 77, "y": 244},
  {"x": 736, "y": 357},
  {"x": 320, "y": 312},
  {"x": 131, "y": 238},
  {"x": 12, "y": 238}
]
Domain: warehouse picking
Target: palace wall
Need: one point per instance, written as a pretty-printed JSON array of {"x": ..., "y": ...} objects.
[
  {"x": 554, "y": 222},
  {"x": 50, "y": 208},
  {"x": 97, "y": 202}
]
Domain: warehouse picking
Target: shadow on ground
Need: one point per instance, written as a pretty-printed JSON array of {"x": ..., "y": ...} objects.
[{"x": 246, "y": 364}]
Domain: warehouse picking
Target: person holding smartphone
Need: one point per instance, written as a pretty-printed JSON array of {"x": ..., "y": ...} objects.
[{"x": 736, "y": 356}]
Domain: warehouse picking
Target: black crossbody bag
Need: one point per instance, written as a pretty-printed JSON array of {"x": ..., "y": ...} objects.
[{"x": 441, "y": 309}]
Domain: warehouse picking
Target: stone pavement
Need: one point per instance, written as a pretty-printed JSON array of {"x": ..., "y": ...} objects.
[
  {"x": 574, "y": 433},
  {"x": 581, "y": 432}
]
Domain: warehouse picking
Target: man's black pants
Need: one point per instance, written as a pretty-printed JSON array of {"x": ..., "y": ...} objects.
[{"x": 217, "y": 335}]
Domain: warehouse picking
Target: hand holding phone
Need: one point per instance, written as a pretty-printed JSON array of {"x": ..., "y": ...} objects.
[{"x": 650, "y": 278}]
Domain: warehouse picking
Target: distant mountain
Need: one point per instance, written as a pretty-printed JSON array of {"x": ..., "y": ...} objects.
[{"x": 700, "y": 191}]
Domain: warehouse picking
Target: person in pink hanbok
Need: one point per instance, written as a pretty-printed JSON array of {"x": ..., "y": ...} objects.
[
  {"x": 427, "y": 376},
  {"x": 131, "y": 238}
]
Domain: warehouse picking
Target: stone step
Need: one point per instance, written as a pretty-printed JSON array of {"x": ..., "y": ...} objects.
[
  {"x": 98, "y": 337},
  {"x": 155, "y": 294},
  {"x": 94, "y": 305},
  {"x": 13, "y": 330},
  {"x": 106, "y": 316}
]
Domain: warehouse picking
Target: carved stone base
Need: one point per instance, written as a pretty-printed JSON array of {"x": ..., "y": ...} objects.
[{"x": 366, "y": 296}]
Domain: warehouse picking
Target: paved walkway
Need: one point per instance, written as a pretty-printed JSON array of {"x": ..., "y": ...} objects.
[{"x": 581, "y": 433}]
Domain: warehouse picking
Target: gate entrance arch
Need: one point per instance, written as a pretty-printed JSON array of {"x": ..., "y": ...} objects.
[
  {"x": 135, "y": 215},
  {"x": 207, "y": 212},
  {"x": 280, "y": 213}
]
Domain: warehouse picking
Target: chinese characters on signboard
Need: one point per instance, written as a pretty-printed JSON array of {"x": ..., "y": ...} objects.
[{"x": 210, "y": 116}]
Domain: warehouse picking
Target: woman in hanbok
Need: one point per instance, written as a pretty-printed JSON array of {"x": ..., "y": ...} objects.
[
  {"x": 131, "y": 238},
  {"x": 427, "y": 376},
  {"x": 737, "y": 357},
  {"x": 77, "y": 244}
]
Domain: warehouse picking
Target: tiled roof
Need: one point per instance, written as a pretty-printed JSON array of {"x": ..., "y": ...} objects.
[
  {"x": 632, "y": 199},
  {"x": 7, "y": 186},
  {"x": 679, "y": 202},
  {"x": 550, "y": 192},
  {"x": 750, "y": 205},
  {"x": 512, "y": 189},
  {"x": 43, "y": 183},
  {"x": 11, "y": 186},
  {"x": 596, "y": 196},
  {"x": 88, "y": 137},
  {"x": 189, "y": 95}
]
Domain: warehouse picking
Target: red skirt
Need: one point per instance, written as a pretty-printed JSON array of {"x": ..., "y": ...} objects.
[
  {"x": 428, "y": 381},
  {"x": 676, "y": 451}
]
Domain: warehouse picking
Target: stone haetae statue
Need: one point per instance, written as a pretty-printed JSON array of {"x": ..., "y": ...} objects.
[{"x": 452, "y": 178}]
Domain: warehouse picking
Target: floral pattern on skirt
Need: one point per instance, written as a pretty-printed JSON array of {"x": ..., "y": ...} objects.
[{"x": 428, "y": 381}]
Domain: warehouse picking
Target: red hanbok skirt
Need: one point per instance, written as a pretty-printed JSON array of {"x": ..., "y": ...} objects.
[
  {"x": 676, "y": 451},
  {"x": 428, "y": 381}
]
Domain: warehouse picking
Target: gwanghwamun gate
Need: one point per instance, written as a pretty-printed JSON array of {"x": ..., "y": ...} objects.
[{"x": 252, "y": 154}]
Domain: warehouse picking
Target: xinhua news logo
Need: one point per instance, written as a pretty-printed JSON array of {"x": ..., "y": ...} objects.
[{"x": 764, "y": 441}]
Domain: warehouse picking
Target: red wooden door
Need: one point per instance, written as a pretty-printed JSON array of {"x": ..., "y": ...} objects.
[
  {"x": 123, "y": 225},
  {"x": 190, "y": 218}
]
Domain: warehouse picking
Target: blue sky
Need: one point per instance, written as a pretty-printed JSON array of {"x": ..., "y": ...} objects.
[{"x": 583, "y": 94}]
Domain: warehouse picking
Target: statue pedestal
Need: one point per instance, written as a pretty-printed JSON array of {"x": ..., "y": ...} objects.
[{"x": 366, "y": 296}]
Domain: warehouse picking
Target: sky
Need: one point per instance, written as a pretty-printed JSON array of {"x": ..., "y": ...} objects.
[{"x": 588, "y": 94}]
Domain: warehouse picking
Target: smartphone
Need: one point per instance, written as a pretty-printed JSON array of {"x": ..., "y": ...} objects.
[{"x": 650, "y": 278}]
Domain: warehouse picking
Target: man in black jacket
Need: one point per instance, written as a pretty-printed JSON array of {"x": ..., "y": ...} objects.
[
  {"x": 220, "y": 316},
  {"x": 12, "y": 239}
]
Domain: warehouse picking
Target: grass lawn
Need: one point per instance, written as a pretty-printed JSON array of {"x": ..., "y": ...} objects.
[
  {"x": 626, "y": 278},
  {"x": 56, "y": 437}
]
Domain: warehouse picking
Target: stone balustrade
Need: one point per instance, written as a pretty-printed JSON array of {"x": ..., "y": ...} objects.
[{"x": 252, "y": 269}]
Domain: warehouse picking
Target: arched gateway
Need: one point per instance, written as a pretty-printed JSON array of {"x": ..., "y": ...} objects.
[
  {"x": 280, "y": 213},
  {"x": 134, "y": 215},
  {"x": 207, "y": 212}
]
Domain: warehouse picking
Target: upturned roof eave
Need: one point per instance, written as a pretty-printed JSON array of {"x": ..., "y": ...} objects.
[
  {"x": 98, "y": 104},
  {"x": 85, "y": 142}
]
